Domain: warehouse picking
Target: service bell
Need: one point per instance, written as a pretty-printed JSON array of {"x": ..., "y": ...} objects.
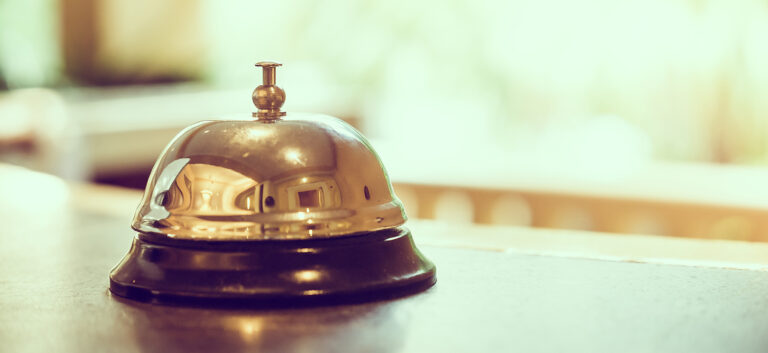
[{"x": 277, "y": 208}]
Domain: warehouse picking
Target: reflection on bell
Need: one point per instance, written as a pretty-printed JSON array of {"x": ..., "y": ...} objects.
[{"x": 281, "y": 208}]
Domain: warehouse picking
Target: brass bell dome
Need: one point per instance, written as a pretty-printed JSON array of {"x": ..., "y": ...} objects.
[{"x": 279, "y": 176}]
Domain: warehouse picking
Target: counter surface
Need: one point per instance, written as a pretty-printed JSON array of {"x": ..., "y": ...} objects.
[{"x": 60, "y": 241}]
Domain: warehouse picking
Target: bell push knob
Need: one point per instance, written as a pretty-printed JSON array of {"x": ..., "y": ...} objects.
[{"x": 268, "y": 98}]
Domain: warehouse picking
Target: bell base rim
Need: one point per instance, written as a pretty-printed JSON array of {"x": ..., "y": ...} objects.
[{"x": 373, "y": 266}]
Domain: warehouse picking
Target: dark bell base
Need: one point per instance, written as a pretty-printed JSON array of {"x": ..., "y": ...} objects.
[{"x": 372, "y": 266}]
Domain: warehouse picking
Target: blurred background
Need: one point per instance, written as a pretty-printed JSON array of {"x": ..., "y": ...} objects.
[{"x": 630, "y": 117}]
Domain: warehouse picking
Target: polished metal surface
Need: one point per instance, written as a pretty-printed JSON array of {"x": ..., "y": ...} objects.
[
  {"x": 305, "y": 176},
  {"x": 298, "y": 177}
]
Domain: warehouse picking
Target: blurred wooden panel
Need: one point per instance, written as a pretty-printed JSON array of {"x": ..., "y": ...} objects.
[
  {"x": 521, "y": 207},
  {"x": 108, "y": 42}
]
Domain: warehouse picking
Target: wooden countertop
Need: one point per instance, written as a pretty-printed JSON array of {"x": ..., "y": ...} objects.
[{"x": 499, "y": 289}]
